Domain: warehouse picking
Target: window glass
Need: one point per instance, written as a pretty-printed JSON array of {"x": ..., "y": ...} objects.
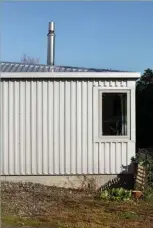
[{"x": 114, "y": 114}]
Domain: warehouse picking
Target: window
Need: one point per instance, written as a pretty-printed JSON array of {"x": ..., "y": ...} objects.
[{"x": 114, "y": 113}]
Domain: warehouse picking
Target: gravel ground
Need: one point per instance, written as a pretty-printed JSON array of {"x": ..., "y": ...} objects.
[
  {"x": 27, "y": 205},
  {"x": 38, "y": 199},
  {"x": 28, "y": 200}
]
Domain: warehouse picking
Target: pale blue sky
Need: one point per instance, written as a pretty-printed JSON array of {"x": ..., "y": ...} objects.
[{"x": 116, "y": 35}]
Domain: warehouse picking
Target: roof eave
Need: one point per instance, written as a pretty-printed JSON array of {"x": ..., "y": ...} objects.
[{"x": 92, "y": 75}]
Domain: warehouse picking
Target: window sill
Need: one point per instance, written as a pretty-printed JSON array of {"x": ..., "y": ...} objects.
[{"x": 113, "y": 139}]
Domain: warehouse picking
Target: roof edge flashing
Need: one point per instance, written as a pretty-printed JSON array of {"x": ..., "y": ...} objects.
[{"x": 77, "y": 75}]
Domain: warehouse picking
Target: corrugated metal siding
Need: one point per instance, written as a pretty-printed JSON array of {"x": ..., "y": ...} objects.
[{"x": 47, "y": 129}]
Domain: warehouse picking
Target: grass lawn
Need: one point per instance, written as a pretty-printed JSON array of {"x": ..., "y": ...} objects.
[{"x": 29, "y": 205}]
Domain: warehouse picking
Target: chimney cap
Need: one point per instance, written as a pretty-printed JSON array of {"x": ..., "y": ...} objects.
[{"x": 51, "y": 26}]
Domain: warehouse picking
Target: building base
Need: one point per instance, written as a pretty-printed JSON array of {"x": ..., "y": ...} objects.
[{"x": 77, "y": 182}]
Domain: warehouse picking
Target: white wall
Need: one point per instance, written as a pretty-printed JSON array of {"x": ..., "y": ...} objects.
[{"x": 47, "y": 127}]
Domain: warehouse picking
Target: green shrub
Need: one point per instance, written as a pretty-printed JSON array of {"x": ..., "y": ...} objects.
[
  {"x": 148, "y": 194},
  {"x": 116, "y": 194}
]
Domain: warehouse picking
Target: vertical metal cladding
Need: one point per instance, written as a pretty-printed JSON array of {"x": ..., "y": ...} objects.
[{"x": 47, "y": 129}]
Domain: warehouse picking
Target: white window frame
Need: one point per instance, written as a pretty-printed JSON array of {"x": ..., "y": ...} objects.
[{"x": 115, "y": 137}]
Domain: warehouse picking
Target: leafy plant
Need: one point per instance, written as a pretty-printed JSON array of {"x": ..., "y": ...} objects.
[
  {"x": 148, "y": 194},
  {"x": 138, "y": 161},
  {"x": 116, "y": 194}
]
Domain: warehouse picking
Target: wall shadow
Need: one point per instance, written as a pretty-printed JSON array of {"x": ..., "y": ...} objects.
[{"x": 126, "y": 179}]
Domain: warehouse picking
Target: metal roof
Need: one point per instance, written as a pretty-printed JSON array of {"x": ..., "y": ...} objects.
[{"x": 21, "y": 67}]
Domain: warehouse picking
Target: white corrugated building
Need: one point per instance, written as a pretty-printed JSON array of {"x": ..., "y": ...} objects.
[{"x": 66, "y": 126}]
